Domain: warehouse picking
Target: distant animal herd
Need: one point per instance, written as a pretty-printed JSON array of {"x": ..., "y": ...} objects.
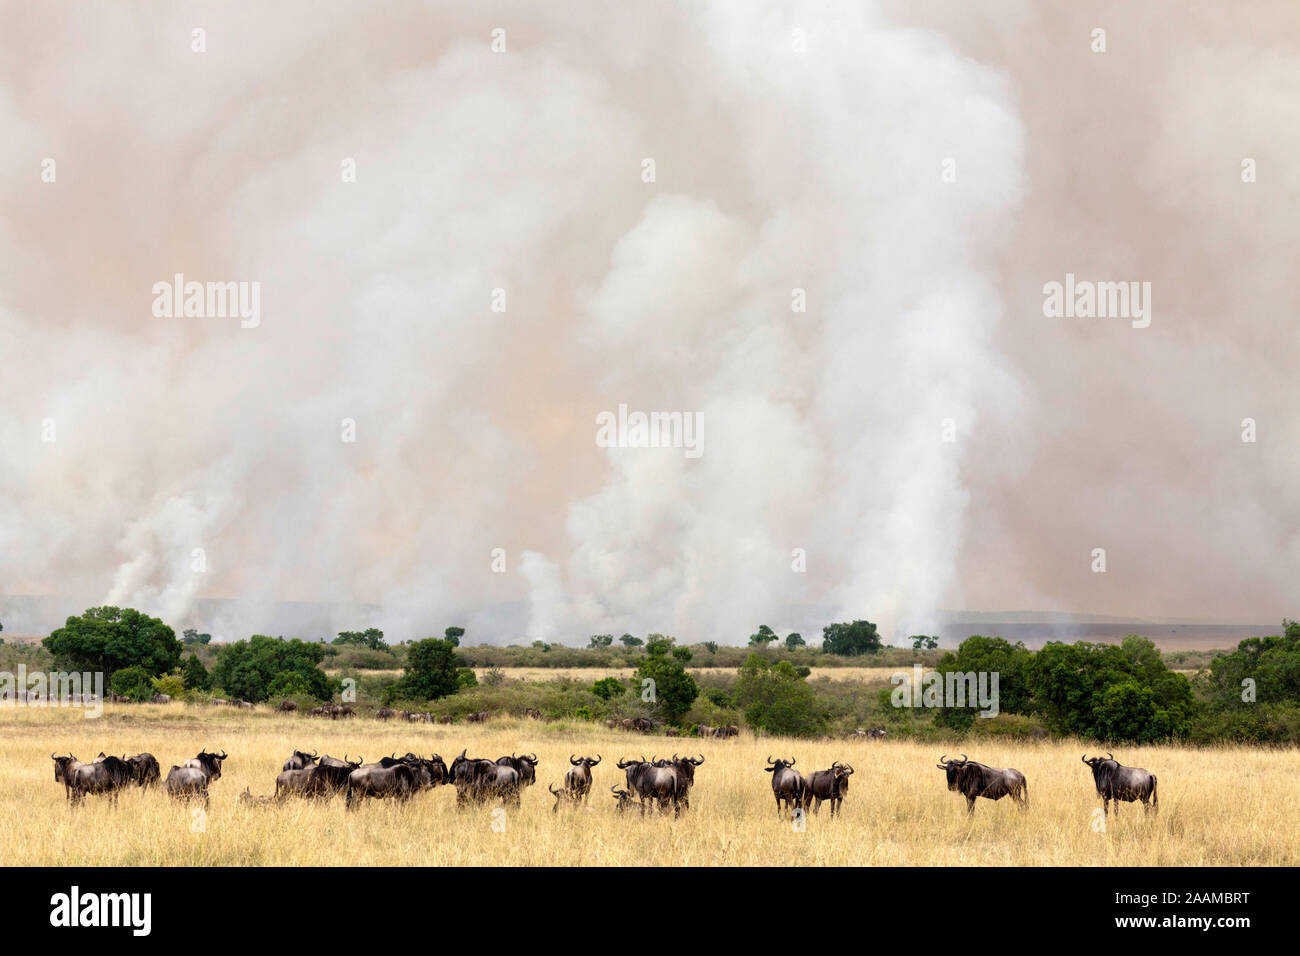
[{"x": 662, "y": 784}]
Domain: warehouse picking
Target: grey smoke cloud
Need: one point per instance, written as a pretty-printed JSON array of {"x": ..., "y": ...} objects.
[{"x": 775, "y": 170}]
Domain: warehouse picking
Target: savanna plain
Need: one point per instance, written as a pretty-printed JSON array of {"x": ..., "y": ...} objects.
[{"x": 1218, "y": 806}]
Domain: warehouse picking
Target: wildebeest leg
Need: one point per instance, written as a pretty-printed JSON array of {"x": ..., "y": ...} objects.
[
  {"x": 970, "y": 804},
  {"x": 779, "y": 814},
  {"x": 818, "y": 805}
]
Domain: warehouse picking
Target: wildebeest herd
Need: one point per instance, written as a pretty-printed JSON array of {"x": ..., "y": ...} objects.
[{"x": 661, "y": 784}]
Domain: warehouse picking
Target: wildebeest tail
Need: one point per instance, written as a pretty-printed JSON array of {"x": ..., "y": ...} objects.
[{"x": 1155, "y": 796}]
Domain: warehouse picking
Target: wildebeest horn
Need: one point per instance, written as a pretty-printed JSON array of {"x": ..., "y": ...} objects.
[
  {"x": 573, "y": 760},
  {"x": 597, "y": 760},
  {"x": 964, "y": 758},
  {"x": 314, "y": 754},
  {"x": 942, "y": 763},
  {"x": 532, "y": 758},
  {"x": 769, "y": 759},
  {"x": 1084, "y": 758},
  {"x": 52, "y": 757},
  {"x": 1109, "y": 755},
  {"x": 224, "y": 755},
  {"x": 699, "y": 760},
  {"x": 792, "y": 761},
  {"x": 848, "y": 768}
]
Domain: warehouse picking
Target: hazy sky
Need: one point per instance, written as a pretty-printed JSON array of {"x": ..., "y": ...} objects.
[{"x": 921, "y": 436}]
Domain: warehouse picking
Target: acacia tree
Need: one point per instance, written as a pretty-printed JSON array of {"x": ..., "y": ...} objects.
[{"x": 107, "y": 639}]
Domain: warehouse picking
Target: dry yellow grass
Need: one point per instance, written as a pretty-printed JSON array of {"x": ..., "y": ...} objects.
[
  {"x": 1217, "y": 807},
  {"x": 870, "y": 675}
]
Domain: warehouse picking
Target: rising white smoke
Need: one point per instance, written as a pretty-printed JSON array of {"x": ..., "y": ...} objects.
[{"x": 795, "y": 147}]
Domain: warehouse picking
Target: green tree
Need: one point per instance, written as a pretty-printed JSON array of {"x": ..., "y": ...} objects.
[
  {"x": 674, "y": 689},
  {"x": 245, "y": 669},
  {"x": 107, "y": 639},
  {"x": 794, "y": 640},
  {"x": 987, "y": 656},
  {"x": 288, "y": 684},
  {"x": 431, "y": 670},
  {"x": 1271, "y": 665},
  {"x": 608, "y": 687},
  {"x": 775, "y": 699},
  {"x": 764, "y": 637},
  {"x": 850, "y": 640},
  {"x": 195, "y": 674},
  {"x": 191, "y": 636},
  {"x": 173, "y": 685},
  {"x": 541, "y": 646},
  {"x": 133, "y": 682},
  {"x": 601, "y": 640},
  {"x": 711, "y": 646},
  {"x": 920, "y": 642},
  {"x": 453, "y": 635},
  {"x": 631, "y": 641},
  {"x": 371, "y": 637}
]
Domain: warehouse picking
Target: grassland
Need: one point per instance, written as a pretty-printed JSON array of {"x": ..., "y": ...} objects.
[{"x": 1225, "y": 806}]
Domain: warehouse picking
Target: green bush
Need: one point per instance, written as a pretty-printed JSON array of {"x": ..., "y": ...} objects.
[
  {"x": 132, "y": 682},
  {"x": 775, "y": 699}
]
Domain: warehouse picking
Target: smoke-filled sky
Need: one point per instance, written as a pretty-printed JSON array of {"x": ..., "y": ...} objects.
[{"x": 501, "y": 272}]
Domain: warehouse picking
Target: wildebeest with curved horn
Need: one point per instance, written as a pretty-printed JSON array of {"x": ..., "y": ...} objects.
[
  {"x": 375, "y": 780},
  {"x": 823, "y": 785},
  {"x": 192, "y": 778},
  {"x": 300, "y": 761},
  {"x": 1116, "y": 782},
  {"x": 787, "y": 785},
  {"x": 105, "y": 775},
  {"x": 525, "y": 766},
  {"x": 577, "y": 780},
  {"x": 332, "y": 774},
  {"x": 144, "y": 769},
  {"x": 972, "y": 779},
  {"x": 655, "y": 780}
]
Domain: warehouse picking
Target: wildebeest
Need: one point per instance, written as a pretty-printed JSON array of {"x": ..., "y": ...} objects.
[
  {"x": 787, "y": 785},
  {"x": 144, "y": 769},
  {"x": 385, "y": 713},
  {"x": 624, "y": 798},
  {"x": 822, "y": 785},
  {"x": 375, "y": 780},
  {"x": 611, "y": 723},
  {"x": 299, "y": 760},
  {"x": 160, "y": 699},
  {"x": 478, "y": 779},
  {"x": 192, "y": 778},
  {"x": 316, "y": 712},
  {"x": 105, "y": 775},
  {"x": 532, "y": 713},
  {"x": 446, "y": 719},
  {"x": 657, "y": 781},
  {"x": 477, "y": 718},
  {"x": 286, "y": 706},
  {"x": 685, "y": 768},
  {"x": 298, "y": 781},
  {"x": 1116, "y": 782},
  {"x": 730, "y": 730},
  {"x": 428, "y": 773},
  {"x": 972, "y": 779},
  {"x": 577, "y": 781},
  {"x": 566, "y": 797},
  {"x": 526, "y": 766},
  {"x": 243, "y": 705},
  {"x": 332, "y": 774},
  {"x": 247, "y": 799},
  {"x": 704, "y": 730}
]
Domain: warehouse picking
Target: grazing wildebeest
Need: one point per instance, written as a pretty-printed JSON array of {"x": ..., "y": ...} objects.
[
  {"x": 428, "y": 773},
  {"x": 577, "y": 781},
  {"x": 532, "y": 713},
  {"x": 1116, "y": 782},
  {"x": 104, "y": 775},
  {"x": 645, "y": 724},
  {"x": 878, "y": 733},
  {"x": 299, "y": 760},
  {"x": 787, "y": 785},
  {"x": 144, "y": 769},
  {"x": 244, "y": 705},
  {"x": 704, "y": 730},
  {"x": 160, "y": 699},
  {"x": 672, "y": 732},
  {"x": 611, "y": 723},
  {"x": 286, "y": 706},
  {"x": 628, "y": 723},
  {"x": 192, "y": 778},
  {"x": 477, "y": 718},
  {"x": 375, "y": 780},
  {"x": 316, "y": 712},
  {"x": 831, "y": 785},
  {"x": 219, "y": 702},
  {"x": 385, "y": 713},
  {"x": 972, "y": 779},
  {"x": 446, "y": 719}
]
